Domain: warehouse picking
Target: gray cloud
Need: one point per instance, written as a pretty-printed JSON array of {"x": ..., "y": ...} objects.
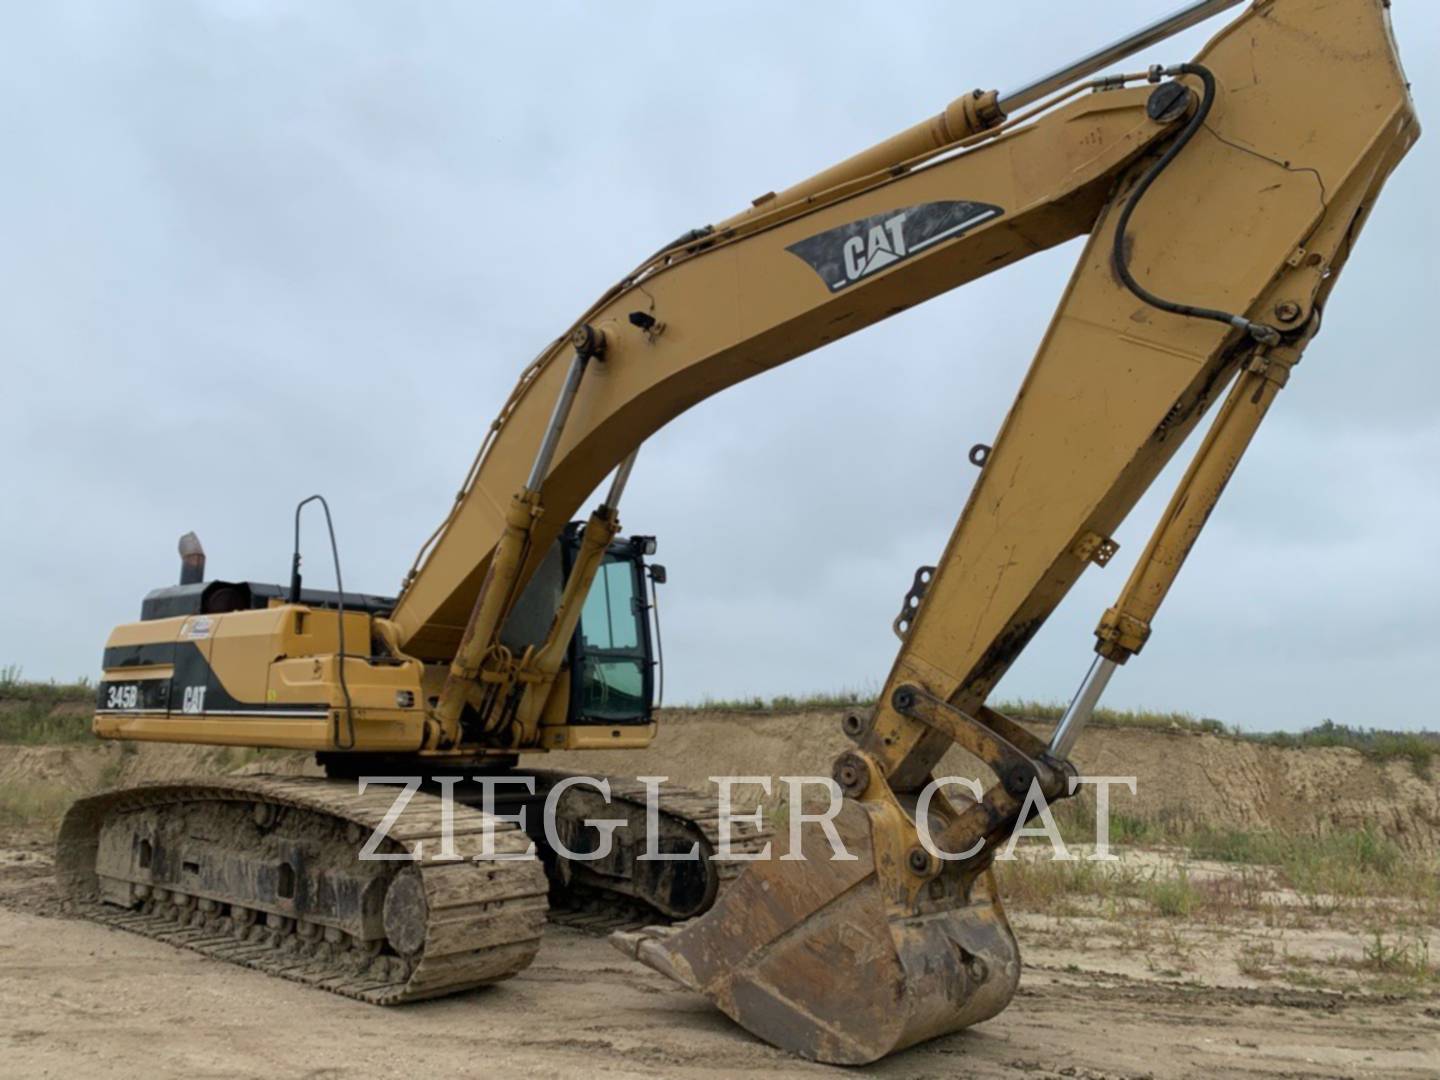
[{"x": 254, "y": 250}]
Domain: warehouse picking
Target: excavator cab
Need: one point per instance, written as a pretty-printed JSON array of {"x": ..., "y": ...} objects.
[
  {"x": 612, "y": 654},
  {"x": 612, "y": 664}
]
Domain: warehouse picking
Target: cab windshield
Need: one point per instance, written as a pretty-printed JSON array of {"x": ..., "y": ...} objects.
[{"x": 612, "y": 666}]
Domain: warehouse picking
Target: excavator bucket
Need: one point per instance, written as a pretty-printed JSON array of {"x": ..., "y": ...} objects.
[{"x": 813, "y": 957}]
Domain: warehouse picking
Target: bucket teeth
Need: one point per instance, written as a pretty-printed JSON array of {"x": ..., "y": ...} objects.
[{"x": 647, "y": 945}]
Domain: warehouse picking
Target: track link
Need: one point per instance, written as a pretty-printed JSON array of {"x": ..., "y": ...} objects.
[{"x": 418, "y": 928}]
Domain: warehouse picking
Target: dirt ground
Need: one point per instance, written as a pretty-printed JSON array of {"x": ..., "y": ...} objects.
[
  {"x": 82, "y": 1000},
  {"x": 1101, "y": 996}
]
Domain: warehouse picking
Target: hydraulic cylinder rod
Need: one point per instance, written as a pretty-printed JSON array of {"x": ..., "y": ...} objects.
[
  {"x": 1097, "y": 61},
  {"x": 558, "y": 416},
  {"x": 1082, "y": 708},
  {"x": 963, "y": 117},
  {"x": 621, "y": 478},
  {"x": 499, "y": 585}
]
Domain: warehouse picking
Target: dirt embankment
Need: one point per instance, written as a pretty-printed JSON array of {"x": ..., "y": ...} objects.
[
  {"x": 97, "y": 766},
  {"x": 1181, "y": 777}
]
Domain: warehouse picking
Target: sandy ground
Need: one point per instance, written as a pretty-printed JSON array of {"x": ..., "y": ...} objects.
[
  {"x": 82, "y": 1000},
  {"x": 1100, "y": 998}
]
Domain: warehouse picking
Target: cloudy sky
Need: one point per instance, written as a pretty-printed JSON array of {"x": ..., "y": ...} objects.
[{"x": 255, "y": 250}]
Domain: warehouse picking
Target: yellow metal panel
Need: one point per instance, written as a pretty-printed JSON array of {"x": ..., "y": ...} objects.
[
  {"x": 375, "y": 731},
  {"x": 597, "y": 737},
  {"x": 291, "y": 734}
]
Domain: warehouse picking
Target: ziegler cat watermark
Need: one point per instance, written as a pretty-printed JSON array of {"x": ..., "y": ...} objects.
[{"x": 518, "y": 793}]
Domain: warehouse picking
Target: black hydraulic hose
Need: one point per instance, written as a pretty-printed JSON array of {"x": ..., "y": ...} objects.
[
  {"x": 1260, "y": 333},
  {"x": 349, "y": 743}
]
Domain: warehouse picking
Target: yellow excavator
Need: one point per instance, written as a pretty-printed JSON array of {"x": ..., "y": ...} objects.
[{"x": 1221, "y": 198}]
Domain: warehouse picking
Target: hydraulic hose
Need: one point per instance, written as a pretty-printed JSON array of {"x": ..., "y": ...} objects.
[{"x": 1265, "y": 334}]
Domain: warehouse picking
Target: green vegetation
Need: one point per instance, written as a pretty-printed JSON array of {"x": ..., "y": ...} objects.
[
  {"x": 1050, "y": 712},
  {"x": 1326, "y": 871},
  {"x": 36, "y": 712},
  {"x": 1406, "y": 955},
  {"x": 1346, "y": 870},
  {"x": 1392, "y": 961},
  {"x": 1420, "y": 748},
  {"x": 785, "y": 703},
  {"x": 1364, "y": 848},
  {"x": 1076, "y": 820},
  {"x": 1070, "y": 887}
]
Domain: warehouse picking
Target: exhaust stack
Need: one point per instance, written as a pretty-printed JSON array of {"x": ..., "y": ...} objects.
[{"x": 192, "y": 560}]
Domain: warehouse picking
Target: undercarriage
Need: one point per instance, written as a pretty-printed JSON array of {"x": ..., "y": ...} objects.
[{"x": 307, "y": 879}]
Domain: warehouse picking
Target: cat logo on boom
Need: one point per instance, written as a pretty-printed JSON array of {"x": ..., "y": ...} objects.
[
  {"x": 885, "y": 244},
  {"x": 850, "y": 253}
]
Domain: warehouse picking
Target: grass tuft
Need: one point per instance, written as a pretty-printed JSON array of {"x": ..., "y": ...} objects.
[
  {"x": 44, "y": 712},
  {"x": 1407, "y": 955}
]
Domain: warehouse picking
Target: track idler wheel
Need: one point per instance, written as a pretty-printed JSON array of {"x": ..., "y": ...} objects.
[{"x": 813, "y": 956}]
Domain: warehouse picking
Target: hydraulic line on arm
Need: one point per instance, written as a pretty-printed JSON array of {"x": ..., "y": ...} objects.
[{"x": 1265, "y": 335}]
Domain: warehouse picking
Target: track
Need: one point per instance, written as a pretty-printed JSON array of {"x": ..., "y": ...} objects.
[{"x": 383, "y": 932}]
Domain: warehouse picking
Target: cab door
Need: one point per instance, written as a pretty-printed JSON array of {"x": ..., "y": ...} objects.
[{"x": 611, "y": 670}]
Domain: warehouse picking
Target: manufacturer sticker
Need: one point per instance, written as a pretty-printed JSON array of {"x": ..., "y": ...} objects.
[
  {"x": 197, "y": 628},
  {"x": 850, "y": 253}
]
